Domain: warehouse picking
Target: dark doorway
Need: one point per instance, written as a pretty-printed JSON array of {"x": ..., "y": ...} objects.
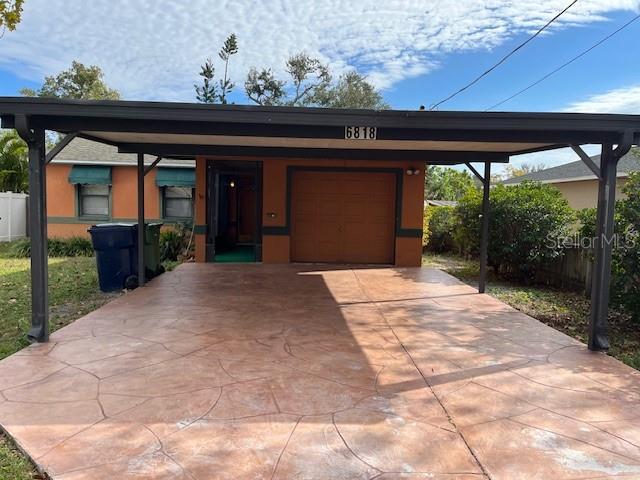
[{"x": 234, "y": 204}]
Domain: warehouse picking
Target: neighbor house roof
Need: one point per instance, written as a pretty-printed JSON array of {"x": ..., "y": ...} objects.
[
  {"x": 577, "y": 171},
  {"x": 81, "y": 151},
  {"x": 441, "y": 203}
]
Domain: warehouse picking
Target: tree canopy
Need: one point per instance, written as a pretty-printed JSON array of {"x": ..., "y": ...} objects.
[
  {"x": 78, "y": 82},
  {"x": 14, "y": 168},
  {"x": 311, "y": 85},
  {"x": 511, "y": 171},
  {"x": 442, "y": 183},
  {"x": 10, "y": 14},
  {"x": 209, "y": 91}
]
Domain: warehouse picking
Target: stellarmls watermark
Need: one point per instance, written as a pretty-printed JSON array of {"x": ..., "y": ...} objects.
[{"x": 627, "y": 239}]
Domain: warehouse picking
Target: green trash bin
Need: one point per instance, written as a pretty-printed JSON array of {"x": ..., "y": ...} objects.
[{"x": 152, "y": 263}]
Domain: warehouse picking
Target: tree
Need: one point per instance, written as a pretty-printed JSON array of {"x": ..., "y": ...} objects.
[
  {"x": 10, "y": 15},
  {"x": 14, "y": 166},
  {"x": 208, "y": 92},
  {"x": 350, "y": 91},
  {"x": 311, "y": 85},
  {"x": 442, "y": 183},
  {"x": 511, "y": 171},
  {"x": 263, "y": 88},
  {"x": 229, "y": 48},
  {"x": 77, "y": 82}
]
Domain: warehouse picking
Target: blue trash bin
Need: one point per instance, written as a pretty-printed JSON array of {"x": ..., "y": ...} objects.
[{"x": 115, "y": 245}]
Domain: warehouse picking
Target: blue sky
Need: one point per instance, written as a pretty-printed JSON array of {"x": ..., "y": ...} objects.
[{"x": 416, "y": 52}]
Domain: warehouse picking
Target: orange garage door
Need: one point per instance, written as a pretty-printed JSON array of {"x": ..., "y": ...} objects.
[{"x": 343, "y": 217}]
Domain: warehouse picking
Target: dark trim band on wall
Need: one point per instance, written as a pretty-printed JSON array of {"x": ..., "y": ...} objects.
[
  {"x": 200, "y": 229},
  {"x": 277, "y": 231},
  {"x": 409, "y": 233}
]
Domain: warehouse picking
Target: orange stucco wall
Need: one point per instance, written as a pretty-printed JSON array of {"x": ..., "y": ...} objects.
[
  {"x": 276, "y": 248},
  {"x": 62, "y": 212}
]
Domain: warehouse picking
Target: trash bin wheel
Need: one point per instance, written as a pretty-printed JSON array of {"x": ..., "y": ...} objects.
[{"x": 131, "y": 282}]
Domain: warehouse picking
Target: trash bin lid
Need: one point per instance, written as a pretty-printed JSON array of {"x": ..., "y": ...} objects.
[{"x": 114, "y": 225}]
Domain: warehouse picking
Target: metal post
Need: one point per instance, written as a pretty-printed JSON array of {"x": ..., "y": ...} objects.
[
  {"x": 141, "y": 229},
  {"x": 598, "y": 338},
  {"x": 484, "y": 235},
  {"x": 39, "y": 331}
]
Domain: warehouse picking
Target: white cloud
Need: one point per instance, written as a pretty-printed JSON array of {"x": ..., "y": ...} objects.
[
  {"x": 152, "y": 49},
  {"x": 621, "y": 100}
]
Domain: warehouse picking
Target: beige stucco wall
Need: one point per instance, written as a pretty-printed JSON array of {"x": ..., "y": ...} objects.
[{"x": 584, "y": 193}]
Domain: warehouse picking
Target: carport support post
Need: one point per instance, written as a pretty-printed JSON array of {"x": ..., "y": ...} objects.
[
  {"x": 39, "y": 331},
  {"x": 141, "y": 229},
  {"x": 598, "y": 338},
  {"x": 484, "y": 235}
]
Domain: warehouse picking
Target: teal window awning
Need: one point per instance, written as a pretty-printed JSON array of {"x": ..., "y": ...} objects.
[
  {"x": 90, "y": 175},
  {"x": 176, "y": 177}
]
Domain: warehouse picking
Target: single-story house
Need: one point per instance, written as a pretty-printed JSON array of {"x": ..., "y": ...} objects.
[
  {"x": 577, "y": 182},
  {"x": 303, "y": 210},
  {"x": 90, "y": 182}
]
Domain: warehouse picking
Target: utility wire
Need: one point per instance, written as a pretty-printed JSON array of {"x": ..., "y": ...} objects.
[
  {"x": 503, "y": 59},
  {"x": 566, "y": 64}
]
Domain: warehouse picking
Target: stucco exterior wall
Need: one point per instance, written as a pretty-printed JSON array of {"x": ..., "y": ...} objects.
[
  {"x": 584, "y": 193},
  {"x": 276, "y": 248},
  {"x": 62, "y": 210}
]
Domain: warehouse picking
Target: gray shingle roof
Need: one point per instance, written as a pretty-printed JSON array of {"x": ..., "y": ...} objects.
[
  {"x": 86, "y": 152},
  {"x": 576, "y": 171}
]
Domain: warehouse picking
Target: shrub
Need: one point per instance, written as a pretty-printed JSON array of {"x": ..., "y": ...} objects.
[
  {"x": 442, "y": 225},
  {"x": 426, "y": 232},
  {"x": 625, "y": 264},
  {"x": 57, "y": 247},
  {"x": 626, "y": 259},
  {"x": 174, "y": 243},
  {"x": 526, "y": 221}
]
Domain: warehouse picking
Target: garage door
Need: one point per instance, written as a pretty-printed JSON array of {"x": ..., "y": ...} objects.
[{"x": 343, "y": 217}]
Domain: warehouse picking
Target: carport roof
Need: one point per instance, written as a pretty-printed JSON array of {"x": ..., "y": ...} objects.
[{"x": 185, "y": 130}]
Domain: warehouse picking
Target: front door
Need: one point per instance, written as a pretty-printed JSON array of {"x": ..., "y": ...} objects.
[{"x": 234, "y": 211}]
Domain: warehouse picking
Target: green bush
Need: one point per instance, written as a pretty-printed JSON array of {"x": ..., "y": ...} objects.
[
  {"x": 526, "y": 222},
  {"x": 442, "y": 225},
  {"x": 426, "y": 233},
  {"x": 626, "y": 267},
  {"x": 625, "y": 264},
  {"x": 56, "y": 247},
  {"x": 174, "y": 243}
]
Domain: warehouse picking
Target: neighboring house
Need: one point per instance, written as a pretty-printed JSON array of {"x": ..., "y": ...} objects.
[
  {"x": 577, "y": 182},
  {"x": 90, "y": 182}
]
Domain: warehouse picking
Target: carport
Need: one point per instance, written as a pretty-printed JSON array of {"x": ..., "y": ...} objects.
[{"x": 181, "y": 131}]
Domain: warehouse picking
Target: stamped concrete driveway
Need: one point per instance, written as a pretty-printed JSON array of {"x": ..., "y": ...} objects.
[{"x": 300, "y": 372}]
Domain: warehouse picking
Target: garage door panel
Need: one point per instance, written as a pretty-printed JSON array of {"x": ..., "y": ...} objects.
[{"x": 345, "y": 217}]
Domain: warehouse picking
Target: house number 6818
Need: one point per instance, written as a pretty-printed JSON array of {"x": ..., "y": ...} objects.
[{"x": 360, "y": 133}]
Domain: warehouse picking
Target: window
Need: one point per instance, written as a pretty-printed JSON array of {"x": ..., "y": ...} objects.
[
  {"x": 93, "y": 200},
  {"x": 177, "y": 203}
]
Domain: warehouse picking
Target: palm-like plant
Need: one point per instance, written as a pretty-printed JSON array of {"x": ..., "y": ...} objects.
[{"x": 14, "y": 164}]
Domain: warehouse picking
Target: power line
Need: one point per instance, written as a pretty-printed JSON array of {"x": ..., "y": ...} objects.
[
  {"x": 503, "y": 59},
  {"x": 566, "y": 64}
]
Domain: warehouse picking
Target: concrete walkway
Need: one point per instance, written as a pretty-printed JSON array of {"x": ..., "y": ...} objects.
[{"x": 292, "y": 372}]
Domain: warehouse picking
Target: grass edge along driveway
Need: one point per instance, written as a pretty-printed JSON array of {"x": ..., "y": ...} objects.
[{"x": 73, "y": 292}]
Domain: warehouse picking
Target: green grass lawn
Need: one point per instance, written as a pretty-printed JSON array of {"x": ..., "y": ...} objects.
[
  {"x": 563, "y": 310},
  {"x": 73, "y": 292}
]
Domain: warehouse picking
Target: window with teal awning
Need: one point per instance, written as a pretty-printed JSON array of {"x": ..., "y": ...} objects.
[
  {"x": 176, "y": 177},
  {"x": 90, "y": 175}
]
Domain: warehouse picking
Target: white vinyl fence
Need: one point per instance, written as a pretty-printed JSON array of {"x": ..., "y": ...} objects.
[{"x": 13, "y": 216}]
